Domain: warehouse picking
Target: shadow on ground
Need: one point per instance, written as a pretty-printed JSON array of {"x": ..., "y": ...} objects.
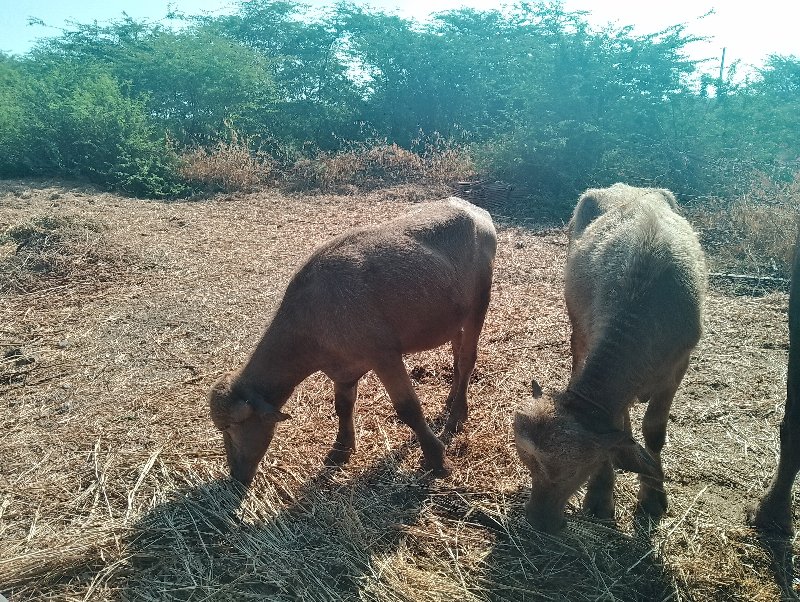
[
  {"x": 585, "y": 561},
  {"x": 780, "y": 553},
  {"x": 321, "y": 542},
  {"x": 313, "y": 544}
]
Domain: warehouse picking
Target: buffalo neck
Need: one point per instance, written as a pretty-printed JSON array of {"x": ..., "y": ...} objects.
[
  {"x": 282, "y": 359},
  {"x": 613, "y": 370}
]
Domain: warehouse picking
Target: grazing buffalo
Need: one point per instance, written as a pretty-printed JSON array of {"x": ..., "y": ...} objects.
[{"x": 358, "y": 303}]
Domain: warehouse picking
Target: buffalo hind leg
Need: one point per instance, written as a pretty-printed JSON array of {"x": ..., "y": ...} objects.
[
  {"x": 394, "y": 377},
  {"x": 465, "y": 354},
  {"x": 345, "y": 395},
  {"x": 455, "y": 344}
]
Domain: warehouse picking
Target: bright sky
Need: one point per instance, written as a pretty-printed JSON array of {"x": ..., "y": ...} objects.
[{"x": 749, "y": 30}]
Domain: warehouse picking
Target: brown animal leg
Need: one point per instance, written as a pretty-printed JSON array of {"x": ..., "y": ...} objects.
[
  {"x": 455, "y": 344},
  {"x": 465, "y": 354},
  {"x": 398, "y": 385},
  {"x": 774, "y": 512},
  {"x": 599, "y": 499},
  {"x": 345, "y": 395}
]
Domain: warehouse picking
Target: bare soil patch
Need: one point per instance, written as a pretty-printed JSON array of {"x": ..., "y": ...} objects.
[{"x": 113, "y": 481}]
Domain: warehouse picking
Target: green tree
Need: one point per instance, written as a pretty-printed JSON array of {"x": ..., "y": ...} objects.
[
  {"x": 448, "y": 76},
  {"x": 318, "y": 100},
  {"x": 195, "y": 83},
  {"x": 13, "y": 118},
  {"x": 776, "y": 113},
  {"x": 78, "y": 122}
]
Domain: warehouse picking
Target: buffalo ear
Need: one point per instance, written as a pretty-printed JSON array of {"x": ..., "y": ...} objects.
[
  {"x": 225, "y": 405},
  {"x": 536, "y": 389},
  {"x": 628, "y": 454},
  {"x": 269, "y": 412},
  {"x": 633, "y": 457},
  {"x": 278, "y": 416},
  {"x": 526, "y": 432}
]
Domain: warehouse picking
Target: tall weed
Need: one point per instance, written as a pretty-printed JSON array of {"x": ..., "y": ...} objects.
[
  {"x": 754, "y": 233},
  {"x": 377, "y": 163},
  {"x": 228, "y": 166}
]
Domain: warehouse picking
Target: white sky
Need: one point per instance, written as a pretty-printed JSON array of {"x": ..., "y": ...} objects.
[{"x": 749, "y": 30}]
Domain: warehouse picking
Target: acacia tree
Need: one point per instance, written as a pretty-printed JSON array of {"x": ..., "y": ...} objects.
[
  {"x": 78, "y": 122},
  {"x": 548, "y": 102},
  {"x": 447, "y": 76},
  {"x": 544, "y": 100},
  {"x": 747, "y": 131},
  {"x": 108, "y": 102},
  {"x": 595, "y": 106},
  {"x": 773, "y": 124}
]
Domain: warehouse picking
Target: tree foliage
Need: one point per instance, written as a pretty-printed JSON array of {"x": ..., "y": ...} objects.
[
  {"x": 75, "y": 120},
  {"x": 541, "y": 98}
]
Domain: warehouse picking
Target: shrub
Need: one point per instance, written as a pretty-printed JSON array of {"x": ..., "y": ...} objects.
[
  {"x": 754, "y": 233},
  {"x": 78, "y": 123}
]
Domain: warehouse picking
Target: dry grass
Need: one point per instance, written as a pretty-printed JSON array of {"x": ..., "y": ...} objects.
[
  {"x": 55, "y": 246},
  {"x": 753, "y": 234},
  {"x": 230, "y": 166},
  {"x": 112, "y": 485},
  {"x": 376, "y": 164}
]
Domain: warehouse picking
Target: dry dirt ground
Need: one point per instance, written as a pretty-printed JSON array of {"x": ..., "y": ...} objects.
[{"x": 113, "y": 481}]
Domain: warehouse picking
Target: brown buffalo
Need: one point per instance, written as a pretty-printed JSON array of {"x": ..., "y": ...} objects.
[
  {"x": 774, "y": 512},
  {"x": 358, "y": 303}
]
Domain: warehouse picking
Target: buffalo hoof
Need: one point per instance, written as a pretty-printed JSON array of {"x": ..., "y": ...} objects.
[
  {"x": 599, "y": 505},
  {"x": 439, "y": 471},
  {"x": 771, "y": 519},
  {"x": 338, "y": 455},
  {"x": 652, "y": 503}
]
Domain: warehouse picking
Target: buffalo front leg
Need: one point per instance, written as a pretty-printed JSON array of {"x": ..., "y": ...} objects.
[
  {"x": 774, "y": 512},
  {"x": 577, "y": 344},
  {"x": 345, "y": 395},
  {"x": 652, "y": 498},
  {"x": 599, "y": 498},
  {"x": 394, "y": 377}
]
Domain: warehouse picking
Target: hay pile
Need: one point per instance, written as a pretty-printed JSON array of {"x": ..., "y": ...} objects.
[{"x": 112, "y": 484}]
